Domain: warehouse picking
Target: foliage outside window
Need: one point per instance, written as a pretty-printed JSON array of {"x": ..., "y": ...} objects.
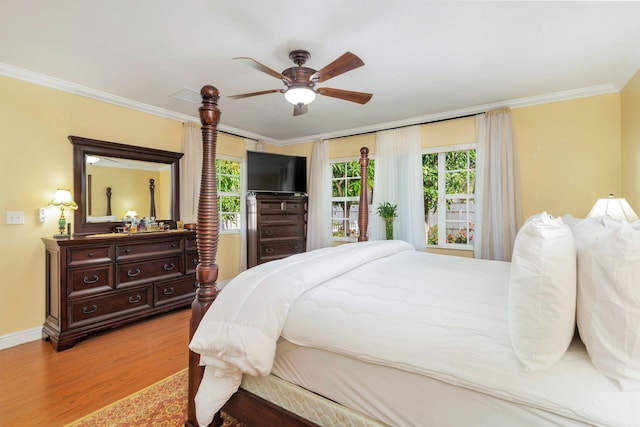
[
  {"x": 345, "y": 197},
  {"x": 228, "y": 182},
  {"x": 449, "y": 185}
]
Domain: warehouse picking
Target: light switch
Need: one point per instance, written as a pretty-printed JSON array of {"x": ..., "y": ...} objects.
[
  {"x": 15, "y": 217},
  {"x": 43, "y": 214}
]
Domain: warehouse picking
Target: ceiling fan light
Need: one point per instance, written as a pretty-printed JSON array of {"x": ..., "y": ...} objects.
[{"x": 300, "y": 95}]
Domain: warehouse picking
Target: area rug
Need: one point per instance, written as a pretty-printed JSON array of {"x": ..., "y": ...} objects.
[{"x": 163, "y": 404}]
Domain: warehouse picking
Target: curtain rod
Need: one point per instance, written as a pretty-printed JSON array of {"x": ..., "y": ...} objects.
[{"x": 404, "y": 126}]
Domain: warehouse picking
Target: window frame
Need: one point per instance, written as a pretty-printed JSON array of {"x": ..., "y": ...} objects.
[
  {"x": 443, "y": 197},
  {"x": 241, "y": 221},
  {"x": 344, "y": 199}
]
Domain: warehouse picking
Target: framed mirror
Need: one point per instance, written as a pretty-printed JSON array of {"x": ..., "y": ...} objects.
[{"x": 111, "y": 179}]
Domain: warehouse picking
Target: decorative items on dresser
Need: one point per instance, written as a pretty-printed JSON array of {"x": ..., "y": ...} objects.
[
  {"x": 102, "y": 281},
  {"x": 276, "y": 227}
]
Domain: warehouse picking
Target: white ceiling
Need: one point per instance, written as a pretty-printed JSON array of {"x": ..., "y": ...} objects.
[{"x": 423, "y": 60}]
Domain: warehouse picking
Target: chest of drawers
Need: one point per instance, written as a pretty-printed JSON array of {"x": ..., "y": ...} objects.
[
  {"x": 96, "y": 283},
  {"x": 276, "y": 227}
]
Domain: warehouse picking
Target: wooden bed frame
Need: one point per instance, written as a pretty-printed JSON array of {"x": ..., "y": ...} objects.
[{"x": 245, "y": 406}]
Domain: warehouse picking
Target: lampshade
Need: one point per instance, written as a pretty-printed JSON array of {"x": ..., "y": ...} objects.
[
  {"x": 300, "y": 95},
  {"x": 63, "y": 198},
  {"x": 615, "y": 207}
]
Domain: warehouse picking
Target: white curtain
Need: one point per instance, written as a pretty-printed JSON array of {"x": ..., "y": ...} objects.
[
  {"x": 190, "y": 171},
  {"x": 398, "y": 180},
  {"x": 249, "y": 144},
  {"x": 498, "y": 209},
  {"x": 254, "y": 144},
  {"x": 319, "y": 203}
]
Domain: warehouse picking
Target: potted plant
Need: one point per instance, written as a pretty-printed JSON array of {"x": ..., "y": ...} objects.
[{"x": 388, "y": 213}]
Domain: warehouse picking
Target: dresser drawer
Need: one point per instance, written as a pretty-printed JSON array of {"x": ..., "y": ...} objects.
[
  {"x": 89, "y": 254},
  {"x": 91, "y": 310},
  {"x": 280, "y": 206},
  {"x": 173, "y": 290},
  {"x": 192, "y": 262},
  {"x": 270, "y": 251},
  {"x": 91, "y": 280},
  {"x": 132, "y": 250},
  {"x": 132, "y": 273},
  {"x": 191, "y": 243},
  {"x": 280, "y": 218},
  {"x": 281, "y": 231}
]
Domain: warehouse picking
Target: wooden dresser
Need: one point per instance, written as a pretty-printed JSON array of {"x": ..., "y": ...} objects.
[
  {"x": 276, "y": 227},
  {"x": 95, "y": 283}
]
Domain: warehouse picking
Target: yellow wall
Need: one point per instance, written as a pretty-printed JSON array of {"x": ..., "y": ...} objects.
[
  {"x": 37, "y": 158},
  {"x": 570, "y": 154},
  {"x": 630, "y": 106},
  {"x": 449, "y": 132}
]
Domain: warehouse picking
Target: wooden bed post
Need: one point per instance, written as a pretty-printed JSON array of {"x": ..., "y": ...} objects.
[
  {"x": 363, "y": 208},
  {"x": 152, "y": 197},
  {"x": 207, "y": 238}
]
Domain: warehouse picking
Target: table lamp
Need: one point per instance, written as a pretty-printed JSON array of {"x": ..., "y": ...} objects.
[
  {"x": 63, "y": 200},
  {"x": 616, "y": 208}
]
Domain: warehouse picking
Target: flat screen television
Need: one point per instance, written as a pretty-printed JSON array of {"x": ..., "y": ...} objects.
[{"x": 276, "y": 173}]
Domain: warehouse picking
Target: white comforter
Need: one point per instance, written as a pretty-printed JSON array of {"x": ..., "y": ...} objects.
[{"x": 441, "y": 316}]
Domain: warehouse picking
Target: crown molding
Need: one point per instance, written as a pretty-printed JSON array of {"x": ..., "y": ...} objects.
[
  {"x": 52, "y": 82},
  {"x": 514, "y": 103}
]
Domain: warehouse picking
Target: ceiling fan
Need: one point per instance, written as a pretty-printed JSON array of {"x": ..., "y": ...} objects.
[{"x": 300, "y": 81}]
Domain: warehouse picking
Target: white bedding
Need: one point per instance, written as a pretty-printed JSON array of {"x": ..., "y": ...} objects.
[{"x": 459, "y": 306}]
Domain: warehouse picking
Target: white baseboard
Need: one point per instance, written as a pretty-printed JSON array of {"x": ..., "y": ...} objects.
[{"x": 21, "y": 337}]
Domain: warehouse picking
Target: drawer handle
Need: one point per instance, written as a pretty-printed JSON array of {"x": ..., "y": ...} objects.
[
  {"x": 86, "y": 310},
  {"x": 90, "y": 254},
  {"x": 268, "y": 232},
  {"x": 168, "y": 291},
  {"x": 269, "y": 250},
  {"x": 174, "y": 245},
  {"x": 127, "y": 251},
  {"x": 134, "y": 301},
  {"x": 169, "y": 267},
  {"x": 86, "y": 280},
  {"x": 133, "y": 273},
  {"x": 195, "y": 261}
]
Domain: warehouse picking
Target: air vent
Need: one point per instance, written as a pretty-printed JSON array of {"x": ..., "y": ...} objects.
[{"x": 188, "y": 95}]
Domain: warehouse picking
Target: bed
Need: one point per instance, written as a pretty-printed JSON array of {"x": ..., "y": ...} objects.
[{"x": 377, "y": 334}]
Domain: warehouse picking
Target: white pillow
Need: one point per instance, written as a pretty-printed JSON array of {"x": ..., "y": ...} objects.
[
  {"x": 542, "y": 292},
  {"x": 609, "y": 297}
]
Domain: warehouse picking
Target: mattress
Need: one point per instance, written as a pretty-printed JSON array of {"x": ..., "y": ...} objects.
[{"x": 350, "y": 392}]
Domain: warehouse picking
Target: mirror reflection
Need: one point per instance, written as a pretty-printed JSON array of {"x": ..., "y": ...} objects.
[
  {"x": 116, "y": 186},
  {"x": 111, "y": 179}
]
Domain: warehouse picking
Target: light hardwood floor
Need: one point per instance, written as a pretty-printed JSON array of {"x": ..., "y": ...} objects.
[{"x": 39, "y": 387}]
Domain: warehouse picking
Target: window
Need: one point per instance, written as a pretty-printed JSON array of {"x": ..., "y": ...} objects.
[
  {"x": 449, "y": 180},
  {"x": 345, "y": 197},
  {"x": 228, "y": 182}
]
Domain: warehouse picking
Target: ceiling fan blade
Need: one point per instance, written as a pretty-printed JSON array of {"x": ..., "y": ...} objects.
[
  {"x": 347, "y": 95},
  {"x": 346, "y": 62},
  {"x": 300, "y": 109},
  {"x": 260, "y": 67},
  {"x": 262, "y": 92}
]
